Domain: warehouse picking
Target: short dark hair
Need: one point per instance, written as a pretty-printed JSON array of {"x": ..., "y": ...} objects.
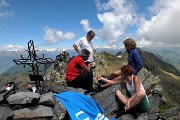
[
  {"x": 91, "y": 32},
  {"x": 84, "y": 52},
  {"x": 127, "y": 70}
]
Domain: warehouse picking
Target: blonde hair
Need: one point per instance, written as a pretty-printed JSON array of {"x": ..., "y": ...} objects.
[{"x": 130, "y": 42}]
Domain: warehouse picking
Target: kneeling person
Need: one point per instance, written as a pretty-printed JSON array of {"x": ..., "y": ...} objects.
[{"x": 78, "y": 74}]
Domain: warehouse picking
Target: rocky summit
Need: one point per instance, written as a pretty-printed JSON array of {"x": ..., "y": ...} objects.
[{"x": 21, "y": 101}]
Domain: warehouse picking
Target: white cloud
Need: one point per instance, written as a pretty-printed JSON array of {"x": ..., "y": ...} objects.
[
  {"x": 144, "y": 42},
  {"x": 53, "y": 35},
  {"x": 47, "y": 49},
  {"x": 69, "y": 35},
  {"x": 164, "y": 26},
  {"x": 5, "y": 13},
  {"x": 4, "y": 3},
  {"x": 85, "y": 23},
  {"x": 12, "y": 47},
  {"x": 116, "y": 16}
]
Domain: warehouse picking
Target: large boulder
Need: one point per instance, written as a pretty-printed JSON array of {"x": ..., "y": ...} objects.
[
  {"x": 23, "y": 98},
  {"x": 5, "y": 112},
  {"x": 38, "y": 111}
]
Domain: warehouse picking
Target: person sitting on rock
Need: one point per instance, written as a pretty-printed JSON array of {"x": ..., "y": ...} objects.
[
  {"x": 78, "y": 74},
  {"x": 134, "y": 60},
  {"x": 138, "y": 97}
]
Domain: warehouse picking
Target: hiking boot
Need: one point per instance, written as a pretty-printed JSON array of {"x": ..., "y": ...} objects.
[
  {"x": 87, "y": 92},
  {"x": 90, "y": 92},
  {"x": 99, "y": 81},
  {"x": 133, "y": 112},
  {"x": 99, "y": 88},
  {"x": 120, "y": 112}
]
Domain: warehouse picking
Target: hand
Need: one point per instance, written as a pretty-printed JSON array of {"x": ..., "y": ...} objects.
[
  {"x": 91, "y": 64},
  {"x": 99, "y": 77},
  {"x": 83, "y": 71},
  {"x": 127, "y": 105}
]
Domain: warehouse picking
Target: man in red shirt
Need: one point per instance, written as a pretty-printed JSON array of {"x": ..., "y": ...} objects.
[{"x": 78, "y": 75}]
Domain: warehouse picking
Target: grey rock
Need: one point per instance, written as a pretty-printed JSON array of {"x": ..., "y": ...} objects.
[
  {"x": 142, "y": 116},
  {"x": 59, "y": 110},
  {"x": 47, "y": 87},
  {"x": 33, "y": 112},
  {"x": 47, "y": 99},
  {"x": 54, "y": 117},
  {"x": 23, "y": 98},
  {"x": 79, "y": 90},
  {"x": 5, "y": 112},
  {"x": 154, "y": 102},
  {"x": 106, "y": 99},
  {"x": 5, "y": 94},
  {"x": 171, "y": 113}
]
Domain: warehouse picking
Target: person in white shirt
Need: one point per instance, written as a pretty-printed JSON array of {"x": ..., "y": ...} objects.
[
  {"x": 86, "y": 43},
  {"x": 138, "y": 97}
]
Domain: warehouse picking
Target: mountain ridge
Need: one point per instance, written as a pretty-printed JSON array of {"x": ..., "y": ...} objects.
[
  {"x": 162, "y": 53},
  {"x": 166, "y": 80}
]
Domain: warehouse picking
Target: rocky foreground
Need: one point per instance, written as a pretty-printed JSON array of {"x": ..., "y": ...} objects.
[{"x": 24, "y": 104}]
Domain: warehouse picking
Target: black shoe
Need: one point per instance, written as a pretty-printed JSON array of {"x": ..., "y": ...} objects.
[
  {"x": 99, "y": 88},
  {"x": 120, "y": 112},
  {"x": 133, "y": 112},
  {"x": 87, "y": 92},
  {"x": 90, "y": 92},
  {"x": 100, "y": 81}
]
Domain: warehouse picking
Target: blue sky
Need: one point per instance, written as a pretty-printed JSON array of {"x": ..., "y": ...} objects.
[{"x": 59, "y": 23}]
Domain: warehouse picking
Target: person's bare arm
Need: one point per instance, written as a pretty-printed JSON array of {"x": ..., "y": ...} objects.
[
  {"x": 114, "y": 81},
  {"x": 115, "y": 74},
  {"x": 87, "y": 68},
  {"x": 105, "y": 85},
  {"x": 137, "y": 87},
  {"x": 137, "y": 83},
  {"x": 76, "y": 48}
]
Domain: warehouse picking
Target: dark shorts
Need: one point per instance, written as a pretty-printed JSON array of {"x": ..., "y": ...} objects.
[{"x": 144, "y": 104}]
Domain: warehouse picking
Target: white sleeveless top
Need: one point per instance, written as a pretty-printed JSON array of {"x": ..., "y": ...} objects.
[{"x": 131, "y": 88}]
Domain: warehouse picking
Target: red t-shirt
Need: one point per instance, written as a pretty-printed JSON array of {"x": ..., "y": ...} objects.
[{"x": 74, "y": 68}]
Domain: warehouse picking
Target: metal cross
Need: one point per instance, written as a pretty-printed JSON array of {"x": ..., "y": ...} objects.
[{"x": 34, "y": 61}]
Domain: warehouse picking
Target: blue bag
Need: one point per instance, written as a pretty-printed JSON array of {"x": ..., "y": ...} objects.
[{"x": 80, "y": 107}]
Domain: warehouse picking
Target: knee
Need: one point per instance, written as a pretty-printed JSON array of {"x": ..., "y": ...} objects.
[
  {"x": 141, "y": 94},
  {"x": 118, "y": 92}
]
